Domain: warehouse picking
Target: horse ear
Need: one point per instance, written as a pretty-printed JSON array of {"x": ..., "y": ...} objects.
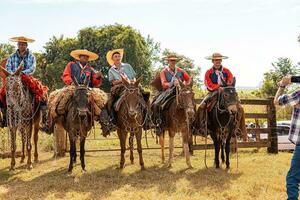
[
  {"x": 191, "y": 83},
  {"x": 234, "y": 82},
  {"x": 124, "y": 81},
  {"x": 86, "y": 82},
  {"x": 19, "y": 70},
  {"x": 137, "y": 82},
  {"x": 181, "y": 84},
  {"x": 75, "y": 81},
  {"x": 224, "y": 84},
  {"x": 4, "y": 71}
]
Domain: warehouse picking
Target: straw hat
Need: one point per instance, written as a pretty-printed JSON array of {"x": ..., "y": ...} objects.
[
  {"x": 110, "y": 54},
  {"x": 21, "y": 39},
  {"x": 172, "y": 57},
  {"x": 83, "y": 52},
  {"x": 216, "y": 56}
]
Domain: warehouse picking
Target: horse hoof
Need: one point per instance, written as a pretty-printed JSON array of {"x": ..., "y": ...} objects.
[
  {"x": 169, "y": 165},
  {"x": 143, "y": 168},
  {"x": 190, "y": 167},
  {"x": 36, "y": 160},
  {"x": 29, "y": 167},
  {"x": 11, "y": 168},
  {"x": 132, "y": 162},
  {"x": 70, "y": 170}
]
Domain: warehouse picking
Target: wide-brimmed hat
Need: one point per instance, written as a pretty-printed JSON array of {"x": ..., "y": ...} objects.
[
  {"x": 110, "y": 54},
  {"x": 21, "y": 39},
  {"x": 216, "y": 56},
  {"x": 83, "y": 52},
  {"x": 172, "y": 57}
]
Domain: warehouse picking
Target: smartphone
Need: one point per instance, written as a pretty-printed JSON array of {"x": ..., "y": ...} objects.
[{"x": 295, "y": 79}]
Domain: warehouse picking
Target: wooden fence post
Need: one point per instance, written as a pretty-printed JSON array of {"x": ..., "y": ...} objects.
[{"x": 273, "y": 137}]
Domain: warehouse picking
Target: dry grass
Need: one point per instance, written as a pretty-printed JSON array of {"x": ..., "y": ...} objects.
[{"x": 260, "y": 176}]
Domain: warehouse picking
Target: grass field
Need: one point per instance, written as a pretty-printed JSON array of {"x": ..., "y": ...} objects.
[{"x": 259, "y": 176}]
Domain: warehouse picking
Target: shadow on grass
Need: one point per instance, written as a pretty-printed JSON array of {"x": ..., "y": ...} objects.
[{"x": 101, "y": 183}]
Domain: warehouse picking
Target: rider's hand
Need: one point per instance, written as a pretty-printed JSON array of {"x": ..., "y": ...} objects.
[
  {"x": 286, "y": 80},
  {"x": 99, "y": 74}
]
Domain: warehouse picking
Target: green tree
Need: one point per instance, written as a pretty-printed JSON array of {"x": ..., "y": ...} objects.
[
  {"x": 185, "y": 63},
  {"x": 139, "y": 52},
  {"x": 6, "y": 50},
  {"x": 281, "y": 68}
]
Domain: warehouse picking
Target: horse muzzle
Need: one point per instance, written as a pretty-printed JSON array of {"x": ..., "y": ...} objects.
[
  {"x": 82, "y": 112},
  {"x": 132, "y": 113},
  {"x": 232, "y": 109},
  {"x": 190, "y": 113}
]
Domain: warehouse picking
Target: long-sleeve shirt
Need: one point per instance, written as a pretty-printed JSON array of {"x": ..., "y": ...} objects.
[
  {"x": 80, "y": 73},
  {"x": 213, "y": 78},
  {"x": 125, "y": 69},
  {"x": 167, "y": 77},
  {"x": 15, "y": 59},
  {"x": 293, "y": 100}
]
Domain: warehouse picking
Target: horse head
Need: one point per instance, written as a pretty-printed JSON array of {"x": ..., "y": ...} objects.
[
  {"x": 81, "y": 98},
  {"x": 14, "y": 82},
  {"x": 229, "y": 97},
  {"x": 133, "y": 96},
  {"x": 186, "y": 98}
]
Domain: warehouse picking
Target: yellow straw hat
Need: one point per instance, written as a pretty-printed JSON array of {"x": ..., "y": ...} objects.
[
  {"x": 21, "y": 39},
  {"x": 83, "y": 52},
  {"x": 111, "y": 53},
  {"x": 216, "y": 56},
  {"x": 172, "y": 57}
]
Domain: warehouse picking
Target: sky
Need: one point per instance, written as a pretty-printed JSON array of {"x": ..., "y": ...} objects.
[{"x": 252, "y": 33}]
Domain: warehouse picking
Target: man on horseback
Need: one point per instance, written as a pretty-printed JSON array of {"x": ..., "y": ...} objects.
[
  {"x": 23, "y": 57},
  {"x": 216, "y": 78},
  {"x": 169, "y": 77},
  {"x": 80, "y": 69},
  {"x": 116, "y": 73}
]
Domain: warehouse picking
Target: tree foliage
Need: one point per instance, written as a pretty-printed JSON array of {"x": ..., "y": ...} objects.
[
  {"x": 139, "y": 52},
  {"x": 281, "y": 68}
]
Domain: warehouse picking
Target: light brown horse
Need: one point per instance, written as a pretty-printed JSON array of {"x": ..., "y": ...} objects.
[
  {"x": 22, "y": 114},
  {"x": 130, "y": 119},
  {"x": 179, "y": 116}
]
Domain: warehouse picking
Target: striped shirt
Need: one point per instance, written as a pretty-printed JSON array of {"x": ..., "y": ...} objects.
[
  {"x": 293, "y": 99},
  {"x": 15, "y": 59}
]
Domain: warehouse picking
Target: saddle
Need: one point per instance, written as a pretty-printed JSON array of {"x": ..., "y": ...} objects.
[{"x": 210, "y": 105}]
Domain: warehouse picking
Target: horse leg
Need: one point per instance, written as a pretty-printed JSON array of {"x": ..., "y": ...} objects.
[
  {"x": 28, "y": 132},
  {"x": 162, "y": 146},
  {"x": 217, "y": 151},
  {"x": 23, "y": 149},
  {"x": 191, "y": 144},
  {"x": 131, "y": 137},
  {"x": 171, "y": 148},
  {"x": 227, "y": 151},
  {"x": 139, "y": 148},
  {"x": 72, "y": 149},
  {"x": 185, "y": 139},
  {"x": 122, "y": 137},
  {"x": 222, "y": 154},
  {"x": 75, "y": 153},
  {"x": 13, "y": 148},
  {"x": 35, "y": 140},
  {"x": 82, "y": 152}
]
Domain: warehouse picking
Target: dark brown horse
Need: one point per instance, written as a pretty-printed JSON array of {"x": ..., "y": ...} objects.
[
  {"x": 77, "y": 121},
  {"x": 223, "y": 122},
  {"x": 22, "y": 114},
  {"x": 179, "y": 116},
  {"x": 130, "y": 119}
]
